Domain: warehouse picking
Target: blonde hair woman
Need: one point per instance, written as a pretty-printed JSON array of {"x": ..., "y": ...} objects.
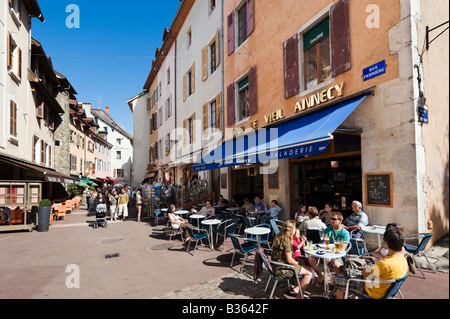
[{"x": 282, "y": 251}]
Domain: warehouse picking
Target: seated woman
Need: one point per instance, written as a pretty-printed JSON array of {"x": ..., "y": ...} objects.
[
  {"x": 282, "y": 252},
  {"x": 301, "y": 215},
  {"x": 325, "y": 214},
  {"x": 178, "y": 222},
  {"x": 313, "y": 222},
  {"x": 297, "y": 244}
]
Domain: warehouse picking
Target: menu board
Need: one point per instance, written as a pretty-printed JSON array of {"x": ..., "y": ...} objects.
[{"x": 379, "y": 190}]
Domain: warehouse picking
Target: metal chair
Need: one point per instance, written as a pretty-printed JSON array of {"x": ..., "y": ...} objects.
[
  {"x": 171, "y": 231},
  {"x": 159, "y": 215},
  {"x": 203, "y": 233},
  {"x": 225, "y": 228},
  {"x": 244, "y": 248},
  {"x": 275, "y": 228},
  {"x": 420, "y": 249},
  {"x": 268, "y": 264},
  {"x": 391, "y": 292},
  {"x": 314, "y": 235},
  {"x": 358, "y": 247}
]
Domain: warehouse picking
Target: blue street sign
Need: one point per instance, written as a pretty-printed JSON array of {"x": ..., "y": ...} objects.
[
  {"x": 374, "y": 70},
  {"x": 423, "y": 115}
]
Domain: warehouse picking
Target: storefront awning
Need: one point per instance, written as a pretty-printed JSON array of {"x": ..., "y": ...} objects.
[
  {"x": 46, "y": 174},
  {"x": 306, "y": 135}
]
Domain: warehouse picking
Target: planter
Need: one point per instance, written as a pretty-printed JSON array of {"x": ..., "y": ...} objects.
[{"x": 43, "y": 219}]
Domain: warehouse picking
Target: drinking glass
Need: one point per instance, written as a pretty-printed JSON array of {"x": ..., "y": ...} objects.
[
  {"x": 326, "y": 240},
  {"x": 337, "y": 245},
  {"x": 309, "y": 244}
]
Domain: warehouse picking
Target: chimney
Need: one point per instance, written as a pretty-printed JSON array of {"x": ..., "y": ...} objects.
[{"x": 107, "y": 109}]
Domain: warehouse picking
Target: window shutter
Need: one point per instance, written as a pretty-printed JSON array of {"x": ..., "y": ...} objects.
[
  {"x": 217, "y": 48},
  {"x": 20, "y": 63},
  {"x": 10, "y": 51},
  {"x": 52, "y": 121},
  {"x": 219, "y": 111},
  {"x": 205, "y": 119},
  {"x": 193, "y": 128},
  {"x": 253, "y": 107},
  {"x": 250, "y": 16},
  {"x": 230, "y": 33},
  {"x": 40, "y": 109},
  {"x": 231, "y": 107},
  {"x": 340, "y": 37},
  {"x": 204, "y": 64},
  {"x": 184, "y": 134},
  {"x": 184, "y": 88},
  {"x": 149, "y": 105},
  {"x": 291, "y": 71},
  {"x": 193, "y": 78}
]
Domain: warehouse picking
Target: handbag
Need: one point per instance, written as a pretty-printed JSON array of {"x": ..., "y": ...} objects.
[{"x": 139, "y": 202}]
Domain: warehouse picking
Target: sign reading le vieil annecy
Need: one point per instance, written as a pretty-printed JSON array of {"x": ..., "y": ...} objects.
[{"x": 374, "y": 70}]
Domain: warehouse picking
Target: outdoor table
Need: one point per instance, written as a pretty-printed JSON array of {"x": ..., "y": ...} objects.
[
  {"x": 198, "y": 217},
  {"x": 320, "y": 251},
  {"x": 258, "y": 232},
  {"x": 211, "y": 222},
  {"x": 181, "y": 212},
  {"x": 164, "y": 210},
  {"x": 233, "y": 209},
  {"x": 375, "y": 229}
]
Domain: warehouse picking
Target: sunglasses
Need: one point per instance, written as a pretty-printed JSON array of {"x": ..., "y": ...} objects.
[
  {"x": 334, "y": 218},
  {"x": 391, "y": 225}
]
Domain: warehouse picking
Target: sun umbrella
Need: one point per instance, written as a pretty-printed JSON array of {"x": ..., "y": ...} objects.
[
  {"x": 94, "y": 184},
  {"x": 83, "y": 184}
]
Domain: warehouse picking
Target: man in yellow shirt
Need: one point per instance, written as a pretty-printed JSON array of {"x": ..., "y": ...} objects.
[
  {"x": 394, "y": 266},
  {"x": 123, "y": 204}
]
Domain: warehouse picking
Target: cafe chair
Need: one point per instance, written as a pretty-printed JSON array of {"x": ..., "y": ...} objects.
[
  {"x": 159, "y": 215},
  {"x": 314, "y": 235},
  {"x": 244, "y": 248},
  {"x": 420, "y": 249},
  {"x": 269, "y": 266},
  {"x": 275, "y": 227},
  {"x": 358, "y": 247},
  {"x": 391, "y": 292},
  {"x": 225, "y": 228},
  {"x": 202, "y": 234},
  {"x": 171, "y": 231}
]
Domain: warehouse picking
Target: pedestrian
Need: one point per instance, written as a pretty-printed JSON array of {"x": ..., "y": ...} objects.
[
  {"x": 123, "y": 204},
  {"x": 113, "y": 205},
  {"x": 139, "y": 204}
]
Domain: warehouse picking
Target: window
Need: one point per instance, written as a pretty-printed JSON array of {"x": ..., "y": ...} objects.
[
  {"x": 14, "y": 58},
  {"x": 240, "y": 22},
  {"x": 119, "y": 155},
  {"x": 73, "y": 163},
  {"x": 168, "y": 76},
  {"x": 16, "y": 6},
  {"x": 190, "y": 131},
  {"x": 168, "y": 108},
  {"x": 212, "y": 6},
  {"x": 35, "y": 149},
  {"x": 13, "y": 119},
  {"x": 319, "y": 52},
  {"x": 119, "y": 141},
  {"x": 188, "y": 38},
  {"x": 119, "y": 173},
  {"x": 212, "y": 55},
  {"x": 212, "y": 112},
  {"x": 43, "y": 149},
  {"x": 189, "y": 83},
  {"x": 243, "y": 99}
]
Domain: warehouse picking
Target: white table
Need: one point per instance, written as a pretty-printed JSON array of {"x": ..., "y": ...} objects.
[
  {"x": 164, "y": 210},
  {"x": 375, "y": 229},
  {"x": 233, "y": 209},
  {"x": 258, "y": 232},
  {"x": 181, "y": 212},
  {"x": 198, "y": 217},
  {"x": 324, "y": 253},
  {"x": 211, "y": 222}
]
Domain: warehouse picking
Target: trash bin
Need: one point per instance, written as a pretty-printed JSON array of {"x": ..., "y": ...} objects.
[{"x": 43, "y": 219}]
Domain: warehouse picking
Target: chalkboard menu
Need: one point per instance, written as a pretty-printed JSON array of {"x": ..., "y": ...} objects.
[{"x": 379, "y": 190}]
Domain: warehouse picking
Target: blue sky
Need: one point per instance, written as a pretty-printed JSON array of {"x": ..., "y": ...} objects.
[{"x": 110, "y": 55}]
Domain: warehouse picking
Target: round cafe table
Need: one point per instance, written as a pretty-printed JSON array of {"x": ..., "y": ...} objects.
[
  {"x": 181, "y": 212},
  {"x": 320, "y": 251},
  {"x": 375, "y": 229},
  {"x": 211, "y": 222},
  {"x": 197, "y": 217},
  {"x": 258, "y": 232}
]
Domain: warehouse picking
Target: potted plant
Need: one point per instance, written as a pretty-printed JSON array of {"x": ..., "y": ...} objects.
[{"x": 44, "y": 211}]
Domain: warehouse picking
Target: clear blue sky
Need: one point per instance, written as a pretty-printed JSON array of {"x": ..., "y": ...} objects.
[{"x": 110, "y": 55}]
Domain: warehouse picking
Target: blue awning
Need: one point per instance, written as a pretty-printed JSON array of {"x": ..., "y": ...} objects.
[{"x": 306, "y": 135}]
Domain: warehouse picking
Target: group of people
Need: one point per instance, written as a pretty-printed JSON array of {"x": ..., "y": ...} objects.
[
  {"x": 386, "y": 263},
  {"x": 117, "y": 202}
]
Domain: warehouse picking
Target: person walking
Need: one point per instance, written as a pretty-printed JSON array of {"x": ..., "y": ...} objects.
[
  {"x": 139, "y": 204},
  {"x": 123, "y": 204},
  {"x": 113, "y": 205}
]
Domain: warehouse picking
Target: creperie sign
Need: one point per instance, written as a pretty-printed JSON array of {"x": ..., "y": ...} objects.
[{"x": 319, "y": 98}]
